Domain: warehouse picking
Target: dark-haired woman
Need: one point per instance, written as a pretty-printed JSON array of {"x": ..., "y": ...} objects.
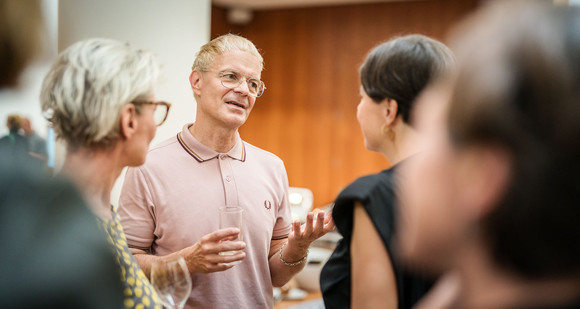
[{"x": 364, "y": 271}]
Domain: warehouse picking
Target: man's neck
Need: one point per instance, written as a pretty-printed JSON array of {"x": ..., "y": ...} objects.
[{"x": 217, "y": 138}]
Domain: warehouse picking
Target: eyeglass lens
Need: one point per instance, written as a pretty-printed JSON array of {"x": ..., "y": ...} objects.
[
  {"x": 232, "y": 80},
  {"x": 160, "y": 114}
]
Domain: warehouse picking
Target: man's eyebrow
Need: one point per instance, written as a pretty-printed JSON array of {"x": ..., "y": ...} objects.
[
  {"x": 236, "y": 72},
  {"x": 230, "y": 71}
]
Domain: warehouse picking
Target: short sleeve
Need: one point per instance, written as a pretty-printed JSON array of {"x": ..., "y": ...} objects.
[
  {"x": 376, "y": 194},
  {"x": 283, "y": 224},
  {"x": 136, "y": 209}
]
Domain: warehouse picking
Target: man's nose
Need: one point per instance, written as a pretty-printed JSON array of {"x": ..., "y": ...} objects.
[{"x": 243, "y": 87}]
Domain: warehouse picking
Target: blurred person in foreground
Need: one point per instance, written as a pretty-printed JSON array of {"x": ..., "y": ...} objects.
[
  {"x": 493, "y": 200},
  {"x": 364, "y": 271},
  {"x": 169, "y": 206},
  {"x": 99, "y": 97},
  {"x": 53, "y": 255}
]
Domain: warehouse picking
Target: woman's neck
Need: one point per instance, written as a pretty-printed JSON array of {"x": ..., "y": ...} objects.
[
  {"x": 95, "y": 173},
  {"x": 402, "y": 145}
]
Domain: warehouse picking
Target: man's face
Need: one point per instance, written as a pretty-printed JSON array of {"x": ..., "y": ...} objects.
[{"x": 219, "y": 105}]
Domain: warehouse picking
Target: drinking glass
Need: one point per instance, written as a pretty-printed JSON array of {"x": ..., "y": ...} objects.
[
  {"x": 172, "y": 282},
  {"x": 231, "y": 216}
]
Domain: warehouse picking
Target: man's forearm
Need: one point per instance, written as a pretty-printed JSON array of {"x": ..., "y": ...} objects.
[
  {"x": 288, "y": 261},
  {"x": 280, "y": 272},
  {"x": 144, "y": 260}
]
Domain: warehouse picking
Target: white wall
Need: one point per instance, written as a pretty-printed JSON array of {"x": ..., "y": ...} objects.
[{"x": 174, "y": 30}]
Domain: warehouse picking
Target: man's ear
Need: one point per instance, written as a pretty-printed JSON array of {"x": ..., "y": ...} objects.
[
  {"x": 390, "y": 110},
  {"x": 485, "y": 176},
  {"x": 128, "y": 121},
  {"x": 195, "y": 81}
]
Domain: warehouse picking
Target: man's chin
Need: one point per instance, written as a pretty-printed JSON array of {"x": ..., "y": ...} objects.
[
  {"x": 137, "y": 163},
  {"x": 236, "y": 121}
]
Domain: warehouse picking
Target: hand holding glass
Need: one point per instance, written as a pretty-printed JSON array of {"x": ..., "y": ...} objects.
[
  {"x": 172, "y": 281},
  {"x": 231, "y": 216}
]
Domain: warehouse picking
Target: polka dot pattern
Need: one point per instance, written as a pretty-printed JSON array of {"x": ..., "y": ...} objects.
[{"x": 139, "y": 293}]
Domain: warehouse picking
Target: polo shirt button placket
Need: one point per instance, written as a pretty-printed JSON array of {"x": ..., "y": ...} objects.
[{"x": 231, "y": 194}]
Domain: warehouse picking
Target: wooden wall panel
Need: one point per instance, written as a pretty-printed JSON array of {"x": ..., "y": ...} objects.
[{"x": 307, "y": 116}]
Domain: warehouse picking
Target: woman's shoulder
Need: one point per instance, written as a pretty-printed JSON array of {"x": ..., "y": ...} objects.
[
  {"x": 375, "y": 192},
  {"x": 365, "y": 186},
  {"x": 372, "y": 191}
]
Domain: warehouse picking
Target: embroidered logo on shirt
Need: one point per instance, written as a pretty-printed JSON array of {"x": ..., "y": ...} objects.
[{"x": 267, "y": 204}]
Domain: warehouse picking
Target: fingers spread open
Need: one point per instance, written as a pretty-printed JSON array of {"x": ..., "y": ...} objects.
[
  {"x": 308, "y": 224},
  {"x": 297, "y": 229},
  {"x": 319, "y": 221}
]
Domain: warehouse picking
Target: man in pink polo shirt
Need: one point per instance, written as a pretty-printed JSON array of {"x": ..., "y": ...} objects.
[{"x": 169, "y": 206}]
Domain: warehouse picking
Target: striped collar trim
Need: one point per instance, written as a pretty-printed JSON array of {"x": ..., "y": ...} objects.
[
  {"x": 232, "y": 153},
  {"x": 189, "y": 150}
]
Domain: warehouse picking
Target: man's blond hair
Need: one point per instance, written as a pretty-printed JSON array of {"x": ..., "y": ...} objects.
[{"x": 220, "y": 45}]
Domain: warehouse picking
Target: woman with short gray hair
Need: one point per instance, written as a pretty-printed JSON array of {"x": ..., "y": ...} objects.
[
  {"x": 99, "y": 97},
  {"x": 88, "y": 87}
]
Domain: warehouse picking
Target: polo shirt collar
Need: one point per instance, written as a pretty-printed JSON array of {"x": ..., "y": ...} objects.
[{"x": 202, "y": 153}]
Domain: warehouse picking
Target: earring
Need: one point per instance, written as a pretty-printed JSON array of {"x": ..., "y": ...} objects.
[{"x": 389, "y": 132}]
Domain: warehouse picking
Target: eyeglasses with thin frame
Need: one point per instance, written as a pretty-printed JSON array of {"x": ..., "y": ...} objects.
[
  {"x": 232, "y": 79},
  {"x": 161, "y": 110}
]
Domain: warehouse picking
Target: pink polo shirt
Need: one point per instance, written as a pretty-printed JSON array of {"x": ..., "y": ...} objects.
[{"x": 172, "y": 200}]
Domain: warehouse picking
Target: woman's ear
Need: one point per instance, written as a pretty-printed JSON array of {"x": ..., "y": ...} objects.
[
  {"x": 485, "y": 176},
  {"x": 390, "y": 110},
  {"x": 195, "y": 81},
  {"x": 128, "y": 121}
]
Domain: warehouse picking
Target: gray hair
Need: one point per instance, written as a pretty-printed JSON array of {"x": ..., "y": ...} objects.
[
  {"x": 86, "y": 88},
  {"x": 220, "y": 45}
]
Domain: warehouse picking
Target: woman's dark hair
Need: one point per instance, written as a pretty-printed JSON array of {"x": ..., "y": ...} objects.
[
  {"x": 401, "y": 68},
  {"x": 518, "y": 88}
]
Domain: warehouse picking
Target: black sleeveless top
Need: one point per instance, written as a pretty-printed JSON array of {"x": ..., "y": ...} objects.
[{"x": 377, "y": 194}]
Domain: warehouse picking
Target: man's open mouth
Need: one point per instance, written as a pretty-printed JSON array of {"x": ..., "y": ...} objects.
[{"x": 236, "y": 104}]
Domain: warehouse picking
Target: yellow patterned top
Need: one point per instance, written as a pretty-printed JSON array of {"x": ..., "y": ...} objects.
[{"x": 139, "y": 292}]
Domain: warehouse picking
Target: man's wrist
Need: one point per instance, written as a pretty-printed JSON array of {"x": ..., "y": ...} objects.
[{"x": 292, "y": 263}]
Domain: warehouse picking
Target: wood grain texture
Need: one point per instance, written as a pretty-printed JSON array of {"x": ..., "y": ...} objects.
[{"x": 307, "y": 116}]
